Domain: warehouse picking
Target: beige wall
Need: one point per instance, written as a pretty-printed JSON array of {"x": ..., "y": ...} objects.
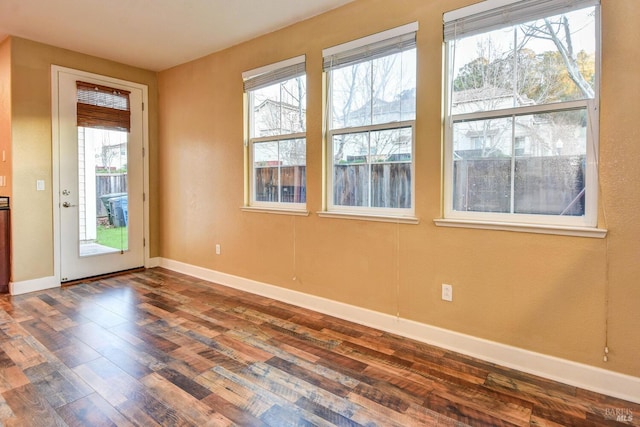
[
  {"x": 549, "y": 294},
  {"x": 32, "y": 216}
]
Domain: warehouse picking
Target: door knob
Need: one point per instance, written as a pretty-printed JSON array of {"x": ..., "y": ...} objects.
[{"x": 67, "y": 205}]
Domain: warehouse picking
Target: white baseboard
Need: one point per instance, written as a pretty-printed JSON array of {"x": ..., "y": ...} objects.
[
  {"x": 40, "y": 284},
  {"x": 576, "y": 374}
]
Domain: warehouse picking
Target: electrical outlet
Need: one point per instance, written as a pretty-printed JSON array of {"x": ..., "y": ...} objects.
[
  {"x": 217, "y": 249},
  {"x": 447, "y": 292}
]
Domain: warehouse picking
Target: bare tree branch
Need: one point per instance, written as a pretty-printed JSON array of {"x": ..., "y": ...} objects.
[{"x": 567, "y": 56}]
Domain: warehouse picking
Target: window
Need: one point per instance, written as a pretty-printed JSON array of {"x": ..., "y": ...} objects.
[
  {"x": 522, "y": 112},
  {"x": 277, "y": 99},
  {"x": 371, "y": 123}
]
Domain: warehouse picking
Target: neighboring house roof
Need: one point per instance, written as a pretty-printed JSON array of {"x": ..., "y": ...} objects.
[
  {"x": 489, "y": 93},
  {"x": 406, "y": 102},
  {"x": 270, "y": 103}
]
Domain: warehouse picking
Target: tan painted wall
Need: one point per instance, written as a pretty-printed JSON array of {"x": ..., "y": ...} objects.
[
  {"x": 538, "y": 292},
  {"x": 32, "y": 225},
  {"x": 5, "y": 115}
]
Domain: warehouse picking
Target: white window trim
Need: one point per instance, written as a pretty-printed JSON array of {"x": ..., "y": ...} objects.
[
  {"x": 550, "y": 224},
  {"x": 278, "y": 210},
  {"x": 364, "y": 212},
  {"x": 598, "y": 233},
  {"x": 251, "y": 204}
]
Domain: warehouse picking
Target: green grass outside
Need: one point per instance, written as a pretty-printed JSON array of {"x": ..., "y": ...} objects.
[{"x": 113, "y": 237}]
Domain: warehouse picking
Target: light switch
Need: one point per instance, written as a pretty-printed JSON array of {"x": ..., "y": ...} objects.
[{"x": 40, "y": 185}]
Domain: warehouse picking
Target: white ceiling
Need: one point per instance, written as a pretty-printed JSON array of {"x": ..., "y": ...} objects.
[{"x": 151, "y": 34}]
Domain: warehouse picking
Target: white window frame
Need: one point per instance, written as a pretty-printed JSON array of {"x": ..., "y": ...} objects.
[
  {"x": 493, "y": 12},
  {"x": 365, "y": 212},
  {"x": 255, "y": 79}
]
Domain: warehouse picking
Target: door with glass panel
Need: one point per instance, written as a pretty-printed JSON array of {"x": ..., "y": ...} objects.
[{"x": 101, "y": 176}]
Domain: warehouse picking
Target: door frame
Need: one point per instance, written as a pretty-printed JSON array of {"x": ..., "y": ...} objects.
[{"x": 55, "y": 157}]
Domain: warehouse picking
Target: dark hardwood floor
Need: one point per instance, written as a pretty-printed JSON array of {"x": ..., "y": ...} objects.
[{"x": 160, "y": 348}]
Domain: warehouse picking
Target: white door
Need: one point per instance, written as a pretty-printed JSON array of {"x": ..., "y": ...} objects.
[{"x": 100, "y": 187}]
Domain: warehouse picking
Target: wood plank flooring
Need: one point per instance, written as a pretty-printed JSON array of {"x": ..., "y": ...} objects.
[{"x": 160, "y": 348}]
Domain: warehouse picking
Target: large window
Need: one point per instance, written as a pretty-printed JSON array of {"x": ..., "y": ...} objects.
[
  {"x": 277, "y": 99},
  {"x": 522, "y": 112},
  {"x": 370, "y": 119}
]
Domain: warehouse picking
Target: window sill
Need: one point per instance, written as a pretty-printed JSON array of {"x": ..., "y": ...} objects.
[
  {"x": 598, "y": 233},
  {"x": 277, "y": 211},
  {"x": 370, "y": 217}
]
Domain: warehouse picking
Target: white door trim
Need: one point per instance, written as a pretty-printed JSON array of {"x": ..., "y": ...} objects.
[{"x": 55, "y": 156}]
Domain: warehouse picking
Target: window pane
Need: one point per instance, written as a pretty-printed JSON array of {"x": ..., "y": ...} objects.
[
  {"x": 351, "y": 96},
  {"x": 293, "y": 172},
  {"x": 550, "y": 169},
  {"x": 547, "y": 73},
  {"x": 279, "y": 109},
  {"x": 549, "y": 160},
  {"x": 373, "y": 169},
  {"x": 482, "y": 165},
  {"x": 280, "y": 171},
  {"x": 535, "y": 63},
  {"x": 381, "y": 90},
  {"x": 394, "y": 88},
  {"x": 351, "y": 169},
  {"x": 482, "y": 138},
  {"x": 293, "y": 152},
  {"x": 407, "y": 94},
  {"x": 391, "y": 168},
  {"x": 483, "y": 75},
  {"x": 266, "y": 169}
]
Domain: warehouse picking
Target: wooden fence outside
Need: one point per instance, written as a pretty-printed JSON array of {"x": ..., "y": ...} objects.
[
  {"x": 543, "y": 185},
  {"x": 293, "y": 188},
  {"x": 388, "y": 187}
]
